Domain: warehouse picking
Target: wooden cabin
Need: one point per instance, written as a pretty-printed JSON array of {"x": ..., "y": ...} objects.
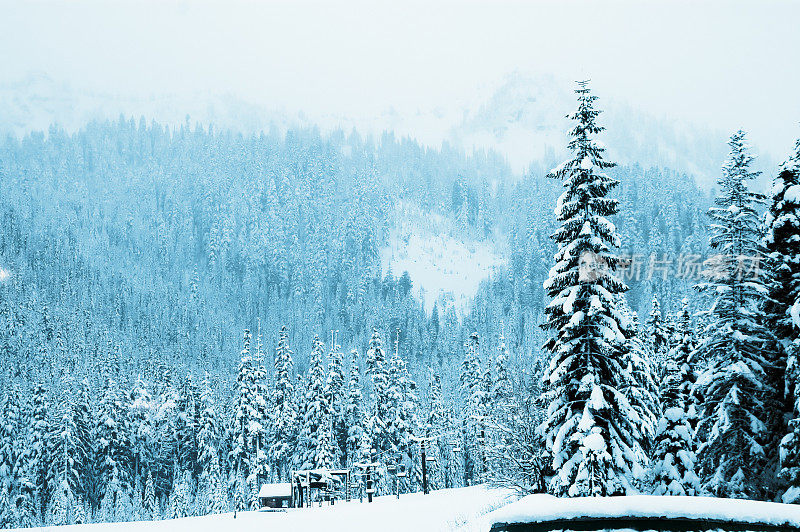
[{"x": 278, "y": 495}]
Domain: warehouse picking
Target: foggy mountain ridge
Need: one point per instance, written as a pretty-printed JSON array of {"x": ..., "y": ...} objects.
[{"x": 523, "y": 118}]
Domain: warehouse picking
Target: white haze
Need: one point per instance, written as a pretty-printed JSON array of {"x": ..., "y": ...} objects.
[{"x": 718, "y": 64}]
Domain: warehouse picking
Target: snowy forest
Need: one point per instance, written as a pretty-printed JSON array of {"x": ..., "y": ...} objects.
[{"x": 188, "y": 312}]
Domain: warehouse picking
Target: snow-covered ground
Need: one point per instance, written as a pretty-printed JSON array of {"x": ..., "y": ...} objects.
[
  {"x": 424, "y": 245},
  {"x": 539, "y": 508},
  {"x": 461, "y": 509}
]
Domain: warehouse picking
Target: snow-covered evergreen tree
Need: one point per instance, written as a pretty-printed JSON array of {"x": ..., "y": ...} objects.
[
  {"x": 354, "y": 415},
  {"x": 640, "y": 387},
  {"x": 32, "y": 463},
  {"x": 334, "y": 396},
  {"x": 782, "y": 240},
  {"x": 472, "y": 391},
  {"x": 736, "y": 342},
  {"x": 208, "y": 486},
  {"x": 70, "y": 453},
  {"x": 315, "y": 410},
  {"x": 186, "y": 426},
  {"x": 402, "y": 419},
  {"x": 62, "y": 505},
  {"x": 284, "y": 420},
  {"x": 673, "y": 464},
  {"x": 591, "y": 430},
  {"x": 658, "y": 338},
  {"x": 378, "y": 417},
  {"x": 9, "y": 430},
  {"x": 501, "y": 387},
  {"x": 149, "y": 502},
  {"x": 140, "y": 425},
  {"x": 116, "y": 505},
  {"x": 180, "y": 500},
  {"x": 112, "y": 451}
]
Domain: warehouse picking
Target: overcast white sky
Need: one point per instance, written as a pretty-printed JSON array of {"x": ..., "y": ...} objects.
[{"x": 726, "y": 64}]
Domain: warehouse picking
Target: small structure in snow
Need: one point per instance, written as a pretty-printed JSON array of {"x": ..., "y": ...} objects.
[
  {"x": 319, "y": 484},
  {"x": 275, "y": 495}
]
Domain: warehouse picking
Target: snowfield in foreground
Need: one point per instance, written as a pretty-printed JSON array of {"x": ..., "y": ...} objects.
[
  {"x": 460, "y": 509},
  {"x": 538, "y": 508}
]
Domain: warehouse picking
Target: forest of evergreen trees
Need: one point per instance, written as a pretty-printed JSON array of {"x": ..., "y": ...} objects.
[{"x": 187, "y": 313}]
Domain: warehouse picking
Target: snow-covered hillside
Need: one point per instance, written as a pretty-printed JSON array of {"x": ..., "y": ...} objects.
[
  {"x": 439, "y": 261},
  {"x": 461, "y": 509}
]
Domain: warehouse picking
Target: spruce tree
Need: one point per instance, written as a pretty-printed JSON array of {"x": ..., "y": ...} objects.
[
  {"x": 140, "y": 423},
  {"x": 591, "y": 430},
  {"x": 112, "y": 446},
  {"x": 334, "y": 396},
  {"x": 207, "y": 444},
  {"x": 402, "y": 419},
  {"x": 472, "y": 392},
  {"x": 9, "y": 440},
  {"x": 31, "y": 464},
  {"x": 355, "y": 417},
  {"x": 315, "y": 409},
  {"x": 782, "y": 240},
  {"x": 674, "y": 459},
  {"x": 376, "y": 369},
  {"x": 70, "y": 453},
  {"x": 736, "y": 343},
  {"x": 284, "y": 412},
  {"x": 658, "y": 338},
  {"x": 149, "y": 502},
  {"x": 501, "y": 388}
]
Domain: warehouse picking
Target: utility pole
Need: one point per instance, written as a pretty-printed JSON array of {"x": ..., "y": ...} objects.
[
  {"x": 424, "y": 469},
  {"x": 369, "y": 483}
]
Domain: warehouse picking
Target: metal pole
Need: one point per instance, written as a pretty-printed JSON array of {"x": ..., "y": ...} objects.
[
  {"x": 424, "y": 470},
  {"x": 369, "y": 483}
]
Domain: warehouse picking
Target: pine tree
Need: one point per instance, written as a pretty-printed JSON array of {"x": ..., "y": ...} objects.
[
  {"x": 501, "y": 388},
  {"x": 116, "y": 505},
  {"x": 590, "y": 428},
  {"x": 70, "y": 454},
  {"x": 112, "y": 446},
  {"x": 674, "y": 457},
  {"x": 334, "y": 386},
  {"x": 355, "y": 418},
  {"x": 639, "y": 386},
  {"x": 378, "y": 416},
  {"x": 186, "y": 427},
  {"x": 208, "y": 458},
  {"x": 315, "y": 409},
  {"x": 325, "y": 449},
  {"x": 140, "y": 426},
  {"x": 62, "y": 506},
  {"x": 249, "y": 453},
  {"x": 782, "y": 242},
  {"x": 284, "y": 411},
  {"x": 472, "y": 391},
  {"x": 435, "y": 423},
  {"x": 31, "y": 464},
  {"x": 149, "y": 503},
  {"x": 735, "y": 343},
  {"x": 180, "y": 502},
  {"x": 402, "y": 407},
  {"x": 658, "y": 338},
  {"x": 9, "y": 433}
]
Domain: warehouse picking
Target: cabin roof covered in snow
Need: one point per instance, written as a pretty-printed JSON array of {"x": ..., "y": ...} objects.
[
  {"x": 281, "y": 489},
  {"x": 542, "y": 508}
]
